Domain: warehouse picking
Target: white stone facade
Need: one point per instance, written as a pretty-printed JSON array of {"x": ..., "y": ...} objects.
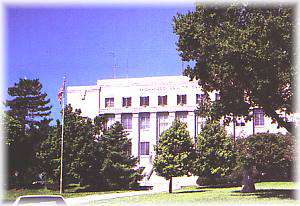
[{"x": 122, "y": 100}]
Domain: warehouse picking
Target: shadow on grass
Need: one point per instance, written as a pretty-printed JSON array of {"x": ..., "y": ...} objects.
[
  {"x": 189, "y": 191},
  {"x": 270, "y": 193},
  {"x": 220, "y": 186}
]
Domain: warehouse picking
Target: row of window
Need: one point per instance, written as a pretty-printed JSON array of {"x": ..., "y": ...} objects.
[
  {"x": 162, "y": 100},
  {"x": 164, "y": 124},
  {"x": 144, "y": 119},
  {"x": 144, "y": 148},
  {"x": 163, "y": 120}
]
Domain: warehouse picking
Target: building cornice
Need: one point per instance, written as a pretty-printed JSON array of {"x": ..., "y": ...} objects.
[
  {"x": 74, "y": 89},
  {"x": 145, "y": 81}
]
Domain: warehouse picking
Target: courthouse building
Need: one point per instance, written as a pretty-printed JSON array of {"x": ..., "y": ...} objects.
[{"x": 147, "y": 106}]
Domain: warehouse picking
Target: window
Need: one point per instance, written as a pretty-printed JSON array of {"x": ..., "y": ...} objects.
[
  {"x": 127, "y": 121},
  {"x": 126, "y": 101},
  {"x": 217, "y": 97},
  {"x": 181, "y": 99},
  {"x": 129, "y": 149},
  {"x": 162, "y": 100},
  {"x": 199, "y": 99},
  {"x": 110, "y": 120},
  {"x": 144, "y": 148},
  {"x": 144, "y": 101},
  {"x": 163, "y": 122},
  {"x": 259, "y": 117},
  {"x": 145, "y": 121},
  {"x": 240, "y": 122},
  {"x": 109, "y": 102},
  {"x": 182, "y": 116},
  {"x": 83, "y": 95}
]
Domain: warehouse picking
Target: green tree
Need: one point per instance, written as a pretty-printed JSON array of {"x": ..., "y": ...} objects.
[
  {"x": 245, "y": 53},
  {"x": 212, "y": 110},
  {"x": 215, "y": 153},
  {"x": 29, "y": 107},
  {"x": 83, "y": 155},
  {"x": 13, "y": 130},
  {"x": 49, "y": 154},
  {"x": 273, "y": 155},
  {"x": 174, "y": 153},
  {"x": 28, "y": 103},
  {"x": 118, "y": 167}
]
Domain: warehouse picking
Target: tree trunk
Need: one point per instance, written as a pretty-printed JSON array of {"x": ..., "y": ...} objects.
[
  {"x": 248, "y": 182},
  {"x": 170, "y": 185}
]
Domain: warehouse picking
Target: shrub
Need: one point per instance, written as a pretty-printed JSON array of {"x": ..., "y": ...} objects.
[
  {"x": 215, "y": 153},
  {"x": 272, "y": 155}
]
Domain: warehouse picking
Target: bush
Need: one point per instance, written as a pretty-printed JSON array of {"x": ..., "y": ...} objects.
[
  {"x": 272, "y": 155},
  {"x": 215, "y": 153}
]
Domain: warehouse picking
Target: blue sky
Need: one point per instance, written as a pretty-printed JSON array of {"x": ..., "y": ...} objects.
[{"x": 47, "y": 43}]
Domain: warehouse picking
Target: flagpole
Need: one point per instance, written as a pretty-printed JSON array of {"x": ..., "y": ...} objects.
[{"x": 62, "y": 139}]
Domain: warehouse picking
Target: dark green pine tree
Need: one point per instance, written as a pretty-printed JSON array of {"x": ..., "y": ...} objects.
[
  {"x": 49, "y": 154},
  {"x": 174, "y": 153},
  {"x": 83, "y": 156},
  {"x": 29, "y": 104},
  {"x": 30, "y": 107},
  {"x": 119, "y": 166}
]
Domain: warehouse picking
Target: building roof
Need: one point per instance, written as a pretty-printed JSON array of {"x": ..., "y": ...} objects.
[{"x": 141, "y": 81}]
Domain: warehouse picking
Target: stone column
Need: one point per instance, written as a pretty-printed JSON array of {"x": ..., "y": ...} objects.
[
  {"x": 135, "y": 135},
  {"x": 118, "y": 118},
  {"x": 153, "y": 131},
  {"x": 172, "y": 116},
  {"x": 191, "y": 124}
]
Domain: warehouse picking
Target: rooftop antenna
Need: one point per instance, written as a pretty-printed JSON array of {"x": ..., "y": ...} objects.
[
  {"x": 127, "y": 67},
  {"x": 114, "y": 67}
]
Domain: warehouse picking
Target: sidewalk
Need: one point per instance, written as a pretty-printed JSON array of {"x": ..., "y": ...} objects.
[
  {"x": 159, "y": 185},
  {"x": 92, "y": 198}
]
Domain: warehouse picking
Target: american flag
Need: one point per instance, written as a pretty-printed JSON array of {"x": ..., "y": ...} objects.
[{"x": 61, "y": 92}]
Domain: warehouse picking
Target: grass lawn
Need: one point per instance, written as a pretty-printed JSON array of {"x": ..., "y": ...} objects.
[
  {"x": 11, "y": 195},
  {"x": 267, "y": 192}
]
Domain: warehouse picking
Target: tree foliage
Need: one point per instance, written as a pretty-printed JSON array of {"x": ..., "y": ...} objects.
[
  {"x": 82, "y": 156},
  {"x": 13, "y": 130},
  {"x": 271, "y": 154},
  {"x": 27, "y": 123},
  {"x": 98, "y": 160},
  {"x": 215, "y": 153},
  {"x": 244, "y": 52},
  {"x": 49, "y": 154},
  {"x": 119, "y": 166},
  {"x": 28, "y": 104},
  {"x": 211, "y": 110},
  {"x": 174, "y": 152}
]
